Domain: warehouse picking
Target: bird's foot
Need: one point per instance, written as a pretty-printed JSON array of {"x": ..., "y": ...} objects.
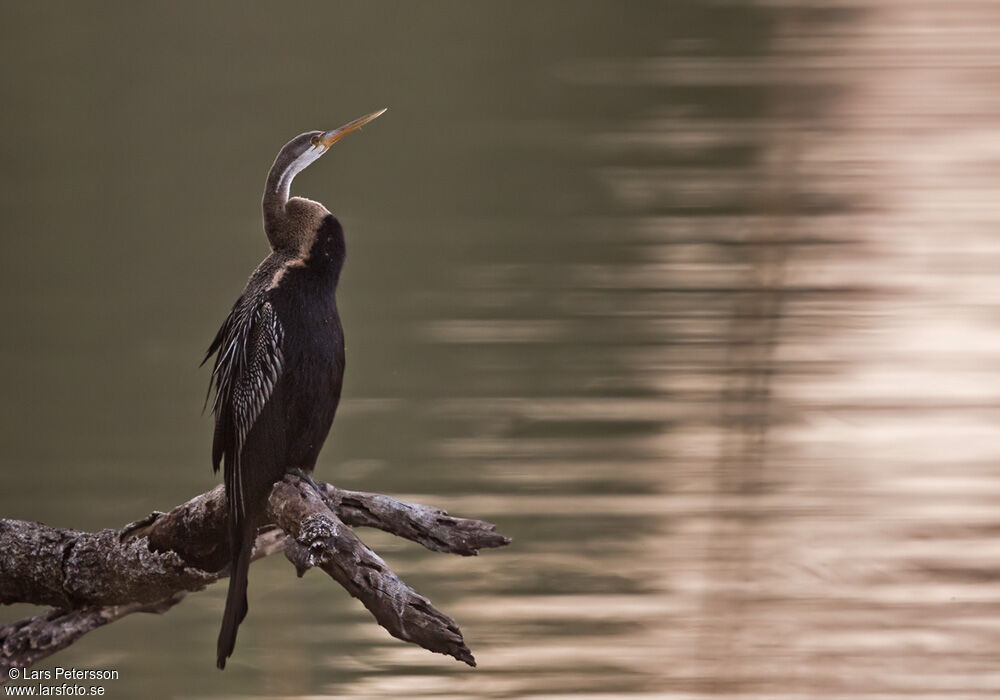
[{"x": 305, "y": 477}]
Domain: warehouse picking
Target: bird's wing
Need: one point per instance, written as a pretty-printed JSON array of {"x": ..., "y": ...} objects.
[{"x": 248, "y": 362}]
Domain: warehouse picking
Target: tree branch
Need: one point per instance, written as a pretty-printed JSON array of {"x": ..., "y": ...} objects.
[
  {"x": 147, "y": 566},
  {"x": 322, "y": 540},
  {"x": 431, "y": 527},
  {"x": 24, "y": 643}
]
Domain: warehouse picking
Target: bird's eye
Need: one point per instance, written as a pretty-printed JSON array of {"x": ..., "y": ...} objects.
[{"x": 315, "y": 140}]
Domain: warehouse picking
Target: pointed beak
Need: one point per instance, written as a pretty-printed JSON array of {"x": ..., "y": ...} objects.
[{"x": 331, "y": 137}]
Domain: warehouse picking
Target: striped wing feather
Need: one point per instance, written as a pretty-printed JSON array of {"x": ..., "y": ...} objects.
[{"x": 248, "y": 363}]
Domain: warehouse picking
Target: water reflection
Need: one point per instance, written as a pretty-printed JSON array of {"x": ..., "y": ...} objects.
[
  {"x": 715, "y": 342},
  {"x": 775, "y": 414}
]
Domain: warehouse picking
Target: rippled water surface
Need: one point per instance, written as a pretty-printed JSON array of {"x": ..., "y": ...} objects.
[{"x": 697, "y": 301}]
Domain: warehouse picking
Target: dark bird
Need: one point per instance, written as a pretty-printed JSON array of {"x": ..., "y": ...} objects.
[{"x": 279, "y": 360}]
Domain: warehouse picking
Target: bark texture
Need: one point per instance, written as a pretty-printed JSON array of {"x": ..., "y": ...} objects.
[{"x": 94, "y": 578}]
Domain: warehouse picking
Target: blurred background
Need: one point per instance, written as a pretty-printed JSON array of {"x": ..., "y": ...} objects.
[{"x": 697, "y": 300}]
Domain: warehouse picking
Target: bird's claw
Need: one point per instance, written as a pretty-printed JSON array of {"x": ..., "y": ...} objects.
[{"x": 305, "y": 477}]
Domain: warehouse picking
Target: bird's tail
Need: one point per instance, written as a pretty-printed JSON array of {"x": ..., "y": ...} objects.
[{"x": 236, "y": 598}]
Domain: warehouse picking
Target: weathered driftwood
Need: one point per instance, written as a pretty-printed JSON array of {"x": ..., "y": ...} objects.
[
  {"x": 323, "y": 540},
  {"x": 93, "y": 578}
]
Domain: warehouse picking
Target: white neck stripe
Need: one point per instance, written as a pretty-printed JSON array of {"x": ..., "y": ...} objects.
[{"x": 295, "y": 167}]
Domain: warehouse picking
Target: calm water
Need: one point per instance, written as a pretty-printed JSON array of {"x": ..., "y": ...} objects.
[{"x": 696, "y": 300}]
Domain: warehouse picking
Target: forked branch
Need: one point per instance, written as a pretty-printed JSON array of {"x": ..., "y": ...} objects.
[{"x": 94, "y": 578}]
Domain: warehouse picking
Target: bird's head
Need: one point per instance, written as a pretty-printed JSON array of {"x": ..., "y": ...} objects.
[{"x": 294, "y": 157}]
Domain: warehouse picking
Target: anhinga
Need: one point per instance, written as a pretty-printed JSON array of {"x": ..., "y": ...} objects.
[{"x": 279, "y": 359}]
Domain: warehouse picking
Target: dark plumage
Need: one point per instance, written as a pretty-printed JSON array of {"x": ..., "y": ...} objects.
[{"x": 279, "y": 360}]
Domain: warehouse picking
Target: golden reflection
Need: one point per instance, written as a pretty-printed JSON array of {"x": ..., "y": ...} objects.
[{"x": 808, "y": 498}]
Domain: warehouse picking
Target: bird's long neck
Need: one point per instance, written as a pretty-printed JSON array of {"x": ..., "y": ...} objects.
[
  {"x": 278, "y": 187},
  {"x": 274, "y": 200}
]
